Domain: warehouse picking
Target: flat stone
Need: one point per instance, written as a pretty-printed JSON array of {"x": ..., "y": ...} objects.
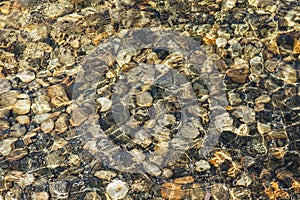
[{"x": 26, "y": 76}]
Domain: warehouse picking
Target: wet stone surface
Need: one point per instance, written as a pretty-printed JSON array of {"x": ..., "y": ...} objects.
[{"x": 110, "y": 100}]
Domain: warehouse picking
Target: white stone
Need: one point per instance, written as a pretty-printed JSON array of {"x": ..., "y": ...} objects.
[
  {"x": 117, "y": 189},
  {"x": 202, "y": 165},
  {"x": 105, "y": 104},
  {"x": 221, "y": 42}
]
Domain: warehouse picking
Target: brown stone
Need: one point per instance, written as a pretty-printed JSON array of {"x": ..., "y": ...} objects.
[{"x": 238, "y": 75}]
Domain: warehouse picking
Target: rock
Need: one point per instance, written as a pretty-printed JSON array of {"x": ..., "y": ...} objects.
[
  {"x": 105, "y": 104},
  {"x": 221, "y": 42},
  {"x": 22, "y": 105},
  {"x": 41, "y": 105},
  {"x": 8, "y": 98},
  {"x": 152, "y": 169},
  {"x": 144, "y": 99},
  {"x": 47, "y": 126},
  {"x": 61, "y": 124},
  {"x": 242, "y": 130},
  {"x": 238, "y": 75},
  {"x": 92, "y": 196},
  {"x": 245, "y": 114},
  {"x": 202, "y": 165},
  {"x": 4, "y": 125},
  {"x": 40, "y": 196},
  {"x": 228, "y": 4},
  {"x": 161, "y": 148},
  {"x": 117, "y": 189},
  {"x": 263, "y": 128},
  {"x": 288, "y": 74},
  {"x": 26, "y": 76},
  {"x": 167, "y": 173},
  {"x": 7, "y": 145},
  {"x": 4, "y": 85},
  {"x": 105, "y": 174},
  {"x": 59, "y": 189},
  {"x": 58, "y": 95},
  {"x": 23, "y": 119},
  {"x": 219, "y": 191}
]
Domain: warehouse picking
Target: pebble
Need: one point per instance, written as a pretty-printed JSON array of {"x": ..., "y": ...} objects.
[
  {"x": 245, "y": 114},
  {"x": 41, "y": 105},
  {"x": 167, "y": 173},
  {"x": 221, "y": 42},
  {"x": 22, "y": 106},
  {"x": 26, "y": 76},
  {"x": 23, "y": 119},
  {"x": 61, "y": 124},
  {"x": 238, "y": 75},
  {"x": 152, "y": 169},
  {"x": 144, "y": 99},
  {"x": 287, "y": 74},
  {"x": 4, "y": 125},
  {"x": 8, "y": 98},
  {"x": 105, "y": 174},
  {"x": 40, "y": 196},
  {"x": 47, "y": 125},
  {"x": 92, "y": 196},
  {"x": 105, "y": 104},
  {"x": 161, "y": 148},
  {"x": 263, "y": 128},
  {"x": 202, "y": 165},
  {"x": 117, "y": 189},
  {"x": 6, "y": 146},
  {"x": 4, "y": 85},
  {"x": 242, "y": 130}
]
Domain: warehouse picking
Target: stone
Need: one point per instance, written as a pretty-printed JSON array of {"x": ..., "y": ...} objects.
[
  {"x": 117, "y": 189},
  {"x": 152, "y": 169},
  {"x": 245, "y": 114},
  {"x": 105, "y": 174},
  {"x": 6, "y": 146},
  {"x": 221, "y": 42},
  {"x": 4, "y": 85},
  {"x": 40, "y": 196},
  {"x": 26, "y": 76},
  {"x": 8, "y": 98},
  {"x": 92, "y": 196},
  {"x": 144, "y": 99},
  {"x": 238, "y": 75},
  {"x": 22, "y": 106},
  {"x": 41, "y": 105},
  {"x": 202, "y": 165},
  {"x": 61, "y": 124},
  {"x": 105, "y": 104},
  {"x": 161, "y": 148},
  {"x": 23, "y": 119},
  {"x": 47, "y": 125}
]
